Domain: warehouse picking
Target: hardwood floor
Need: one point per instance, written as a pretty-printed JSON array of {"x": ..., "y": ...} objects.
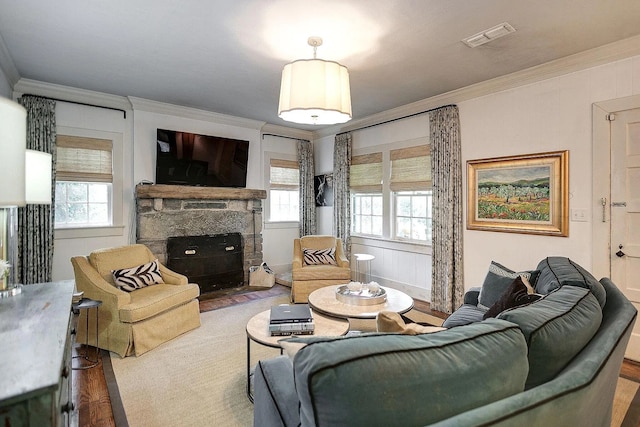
[{"x": 90, "y": 386}]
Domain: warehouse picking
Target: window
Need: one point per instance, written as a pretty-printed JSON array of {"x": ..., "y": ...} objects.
[
  {"x": 367, "y": 214},
  {"x": 413, "y": 215},
  {"x": 84, "y": 180},
  {"x": 410, "y": 185},
  {"x": 366, "y": 194},
  {"x": 284, "y": 184}
]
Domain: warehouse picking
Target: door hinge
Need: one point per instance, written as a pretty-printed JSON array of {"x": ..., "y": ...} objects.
[{"x": 610, "y": 117}]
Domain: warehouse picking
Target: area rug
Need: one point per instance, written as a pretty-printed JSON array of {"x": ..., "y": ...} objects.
[
  {"x": 199, "y": 378},
  {"x": 626, "y": 403}
]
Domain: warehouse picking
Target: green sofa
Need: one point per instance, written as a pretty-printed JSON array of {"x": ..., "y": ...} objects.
[{"x": 554, "y": 362}]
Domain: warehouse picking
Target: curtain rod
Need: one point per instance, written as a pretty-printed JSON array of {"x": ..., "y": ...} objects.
[
  {"x": 396, "y": 119},
  {"x": 281, "y": 136},
  {"x": 124, "y": 112}
]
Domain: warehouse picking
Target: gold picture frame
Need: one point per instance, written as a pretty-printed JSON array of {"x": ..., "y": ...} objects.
[{"x": 520, "y": 194}]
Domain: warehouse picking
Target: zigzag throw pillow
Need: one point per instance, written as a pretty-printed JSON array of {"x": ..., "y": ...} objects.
[
  {"x": 320, "y": 256},
  {"x": 130, "y": 279}
]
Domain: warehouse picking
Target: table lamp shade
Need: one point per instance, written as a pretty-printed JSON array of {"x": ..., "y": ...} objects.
[
  {"x": 13, "y": 140},
  {"x": 38, "y": 177}
]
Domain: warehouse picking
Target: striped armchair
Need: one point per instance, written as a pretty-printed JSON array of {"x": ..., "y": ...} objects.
[{"x": 316, "y": 272}]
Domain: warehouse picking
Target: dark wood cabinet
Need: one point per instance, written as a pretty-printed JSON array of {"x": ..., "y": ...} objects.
[{"x": 36, "y": 332}]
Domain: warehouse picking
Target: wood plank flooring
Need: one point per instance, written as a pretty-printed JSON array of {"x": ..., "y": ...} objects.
[{"x": 91, "y": 394}]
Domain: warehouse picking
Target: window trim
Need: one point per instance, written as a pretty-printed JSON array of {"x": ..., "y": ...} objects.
[
  {"x": 268, "y": 158},
  {"x": 370, "y": 194},
  {"x": 117, "y": 188},
  {"x": 394, "y": 218},
  {"x": 388, "y": 204}
]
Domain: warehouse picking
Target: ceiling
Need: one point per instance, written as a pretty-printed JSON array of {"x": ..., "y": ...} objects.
[{"x": 226, "y": 56}]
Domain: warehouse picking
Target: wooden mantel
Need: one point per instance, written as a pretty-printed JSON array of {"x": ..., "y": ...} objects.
[{"x": 159, "y": 191}]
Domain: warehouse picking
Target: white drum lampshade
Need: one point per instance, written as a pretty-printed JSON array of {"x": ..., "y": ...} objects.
[
  {"x": 38, "y": 178},
  {"x": 315, "y": 91},
  {"x": 13, "y": 142}
]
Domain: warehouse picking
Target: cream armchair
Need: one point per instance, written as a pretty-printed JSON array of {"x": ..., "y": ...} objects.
[
  {"x": 134, "y": 322},
  {"x": 308, "y": 278}
]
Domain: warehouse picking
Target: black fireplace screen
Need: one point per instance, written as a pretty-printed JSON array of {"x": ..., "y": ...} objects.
[{"x": 213, "y": 262}]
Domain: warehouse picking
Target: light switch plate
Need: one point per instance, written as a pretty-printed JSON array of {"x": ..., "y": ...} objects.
[{"x": 580, "y": 214}]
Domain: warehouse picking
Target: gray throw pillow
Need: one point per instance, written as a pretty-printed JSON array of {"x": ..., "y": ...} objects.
[{"x": 497, "y": 281}]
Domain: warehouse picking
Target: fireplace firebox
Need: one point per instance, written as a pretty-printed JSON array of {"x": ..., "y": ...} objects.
[{"x": 214, "y": 262}]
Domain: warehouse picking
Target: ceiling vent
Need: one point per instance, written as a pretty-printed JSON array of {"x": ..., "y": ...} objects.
[{"x": 488, "y": 35}]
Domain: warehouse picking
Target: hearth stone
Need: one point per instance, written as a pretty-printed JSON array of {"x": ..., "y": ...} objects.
[{"x": 165, "y": 211}]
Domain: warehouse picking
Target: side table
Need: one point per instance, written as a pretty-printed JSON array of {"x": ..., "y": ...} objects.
[
  {"x": 86, "y": 361},
  {"x": 367, "y": 259},
  {"x": 258, "y": 331}
]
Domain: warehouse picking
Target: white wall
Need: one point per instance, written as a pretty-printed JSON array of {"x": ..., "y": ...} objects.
[
  {"x": 277, "y": 237},
  {"x": 323, "y": 164},
  {"x": 403, "y": 266},
  {"x": 97, "y": 122},
  {"x": 149, "y": 116},
  {"x": 5, "y": 86},
  {"x": 551, "y": 115}
]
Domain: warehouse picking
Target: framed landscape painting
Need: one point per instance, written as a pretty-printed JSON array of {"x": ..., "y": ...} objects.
[{"x": 520, "y": 194}]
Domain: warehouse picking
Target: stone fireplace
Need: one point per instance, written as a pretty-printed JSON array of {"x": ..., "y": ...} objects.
[{"x": 165, "y": 211}]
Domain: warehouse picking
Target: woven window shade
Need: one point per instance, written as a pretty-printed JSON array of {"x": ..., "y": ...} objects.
[
  {"x": 83, "y": 159},
  {"x": 411, "y": 169},
  {"x": 284, "y": 175},
  {"x": 366, "y": 173}
]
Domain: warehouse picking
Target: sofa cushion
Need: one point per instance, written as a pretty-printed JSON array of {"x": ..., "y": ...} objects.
[
  {"x": 496, "y": 282},
  {"x": 556, "y": 328},
  {"x": 465, "y": 314},
  {"x": 130, "y": 279},
  {"x": 559, "y": 271},
  {"x": 152, "y": 300},
  {"x": 325, "y": 256},
  {"x": 426, "y": 378},
  {"x": 519, "y": 293}
]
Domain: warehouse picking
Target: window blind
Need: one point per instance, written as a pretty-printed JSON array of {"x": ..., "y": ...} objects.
[
  {"x": 83, "y": 159},
  {"x": 284, "y": 174},
  {"x": 410, "y": 169},
  {"x": 366, "y": 173}
]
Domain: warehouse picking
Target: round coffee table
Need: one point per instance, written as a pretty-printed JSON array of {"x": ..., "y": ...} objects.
[
  {"x": 324, "y": 301},
  {"x": 258, "y": 331}
]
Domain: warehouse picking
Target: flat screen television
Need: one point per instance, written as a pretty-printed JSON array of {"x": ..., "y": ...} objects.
[{"x": 184, "y": 158}]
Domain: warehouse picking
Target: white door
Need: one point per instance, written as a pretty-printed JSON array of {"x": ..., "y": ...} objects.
[{"x": 625, "y": 212}]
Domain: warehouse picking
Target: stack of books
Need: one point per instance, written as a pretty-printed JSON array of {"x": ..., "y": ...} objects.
[
  {"x": 77, "y": 297},
  {"x": 294, "y": 319}
]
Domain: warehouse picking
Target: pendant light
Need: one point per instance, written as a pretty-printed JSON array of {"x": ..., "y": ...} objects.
[{"x": 315, "y": 91}]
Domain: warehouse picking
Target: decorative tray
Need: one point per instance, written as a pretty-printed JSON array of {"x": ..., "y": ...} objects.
[{"x": 356, "y": 293}]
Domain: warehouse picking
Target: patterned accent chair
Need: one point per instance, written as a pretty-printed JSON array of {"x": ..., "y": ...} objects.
[
  {"x": 138, "y": 321},
  {"x": 307, "y": 278}
]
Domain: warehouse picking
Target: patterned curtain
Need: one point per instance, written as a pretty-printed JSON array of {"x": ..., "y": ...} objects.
[
  {"x": 342, "y": 201},
  {"x": 307, "y": 199},
  {"x": 447, "y": 287},
  {"x": 35, "y": 222}
]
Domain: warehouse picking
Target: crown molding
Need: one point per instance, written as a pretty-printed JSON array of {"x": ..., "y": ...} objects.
[
  {"x": 580, "y": 61},
  {"x": 71, "y": 94},
  {"x": 192, "y": 113},
  {"x": 286, "y": 131}
]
